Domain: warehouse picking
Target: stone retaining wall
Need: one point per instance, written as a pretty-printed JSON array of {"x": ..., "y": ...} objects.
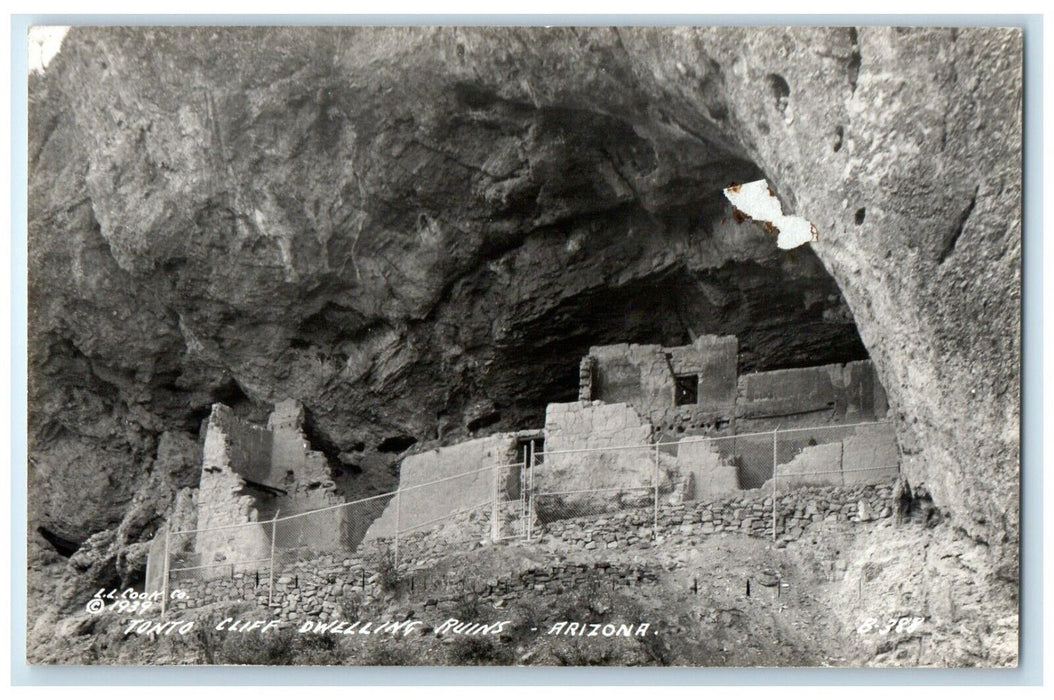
[
  {"x": 749, "y": 513},
  {"x": 335, "y": 589},
  {"x": 320, "y": 588}
]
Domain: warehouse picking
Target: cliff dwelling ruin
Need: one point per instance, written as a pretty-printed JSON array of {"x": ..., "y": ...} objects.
[
  {"x": 274, "y": 271},
  {"x": 629, "y": 395}
]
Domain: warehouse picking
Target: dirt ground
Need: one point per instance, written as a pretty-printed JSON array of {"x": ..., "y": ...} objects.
[{"x": 868, "y": 594}]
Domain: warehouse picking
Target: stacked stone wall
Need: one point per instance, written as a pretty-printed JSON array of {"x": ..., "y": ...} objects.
[
  {"x": 322, "y": 588},
  {"x": 594, "y": 426},
  {"x": 468, "y": 475}
]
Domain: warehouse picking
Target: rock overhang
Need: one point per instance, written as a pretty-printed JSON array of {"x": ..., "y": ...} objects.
[{"x": 371, "y": 179}]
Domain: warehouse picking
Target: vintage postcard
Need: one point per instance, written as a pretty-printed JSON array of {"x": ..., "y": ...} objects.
[{"x": 524, "y": 346}]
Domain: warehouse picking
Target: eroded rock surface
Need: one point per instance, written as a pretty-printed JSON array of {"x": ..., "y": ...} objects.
[{"x": 417, "y": 232}]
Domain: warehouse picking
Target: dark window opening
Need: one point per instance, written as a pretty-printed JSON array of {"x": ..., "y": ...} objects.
[
  {"x": 63, "y": 546},
  {"x": 687, "y": 390},
  {"x": 266, "y": 489},
  {"x": 396, "y": 443},
  {"x": 484, "y": 421},
  {"x": 523, "y": 450}
]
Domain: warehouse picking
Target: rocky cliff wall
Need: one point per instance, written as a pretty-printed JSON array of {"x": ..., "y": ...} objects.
[{"x": 399, "y": 226}]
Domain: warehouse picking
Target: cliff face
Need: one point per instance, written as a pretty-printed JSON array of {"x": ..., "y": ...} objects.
[{"x": 417, "y": 232}]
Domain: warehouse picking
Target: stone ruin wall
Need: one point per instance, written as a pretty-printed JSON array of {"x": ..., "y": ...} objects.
[
  {"x": 304, "y": 473},
  {"x": 824, "y": 398},
  {"x": 643, "y": 376},
  {"x": 249, "y": 475},
  {"x": 417, "y": 507},
  {"x": 628, "y": 398},
  {"x": 709, "y": 474},
  {"x": 688, "y": 469},
  {"x": 594, "y": 425},
  {"x": 233, "y": 450},
  {"x": 807, "y": 396},
  {"x": 305, "y": 476},
  {"x": 866, "y": 455},
  {"x": 317, "y": 589}
]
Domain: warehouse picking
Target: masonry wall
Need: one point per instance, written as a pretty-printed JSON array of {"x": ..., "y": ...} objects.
[
  {"x": 748, "y": 513},
  {"x": 246, "y": 448},
  {"x": 637, "y": 375},
  {"x": 809, "y": 395},
  {"x": 863, "y": 455},
  {"x": 417, "y": 506},
  {"x": 317, "y": 589},
  {"x": 251, "y": 474},
  {"x": 294, "y": 466},
  {"x": 644, "y": 376},
  {"x": 304, "y": 475},
  {"x": 714, "y": 359},
  {"x": 713, "y": 475},
  {"x": 588, "y": 425},
  {"x": 223, "y": 497}
]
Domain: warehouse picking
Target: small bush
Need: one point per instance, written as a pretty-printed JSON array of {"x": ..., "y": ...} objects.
[
  {"x": 319, "y": 650},
  {"x": 578, "y": 653},
  {"x": 590, "y": 600},
  {"x": 351, "y": 606},
  {"x": 250, "y": 649},
  {"x": 655, "y": 650},
  {"x": 478, "y": 651},
  {"x": 384, "y": 655},
  {"x": 390, "y": 578},
  {"x": 468, "y": 608}
]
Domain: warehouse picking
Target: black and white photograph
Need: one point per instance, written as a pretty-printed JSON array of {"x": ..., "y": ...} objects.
[{"x": 524, "y": 346}]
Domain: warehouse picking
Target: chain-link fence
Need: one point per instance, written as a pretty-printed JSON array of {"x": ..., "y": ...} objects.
[
  {"x": 593, "y": 482},
  {"x": 457, "y": 513},
  {"x": 412, "y": 526},
  {"x": 590, "y": 482},
  {"x": 304, "y": 537},
  {"x": 419, "y": 523}
]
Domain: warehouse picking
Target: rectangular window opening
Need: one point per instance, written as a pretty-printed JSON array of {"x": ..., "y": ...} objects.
[
  {"x": 687, "y": 390},
  {"x": 523, "y": 450}
]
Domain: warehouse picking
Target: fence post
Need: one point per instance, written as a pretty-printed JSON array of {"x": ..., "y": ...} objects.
[
  {"x": 398, "y": 521},
  {"x": 523, "y": 492},
  {"x": 530, "y": 489},
  {"x": 495, "y": 531},
  {"x": 841, "y": 460},
  {"x": 165, "y": 572},
  {"x": 270, "y": 574},
  {"x": 655, "y": 487},
  {"x": 775, "y": 460}
]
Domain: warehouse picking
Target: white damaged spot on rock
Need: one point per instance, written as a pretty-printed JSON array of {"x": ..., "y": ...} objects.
[
  {"x": 44, "y": 43},
  {"x": 756, "y": 200}
]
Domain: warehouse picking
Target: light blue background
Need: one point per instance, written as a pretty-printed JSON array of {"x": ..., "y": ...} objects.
[{"x": 1029, "y": 671}]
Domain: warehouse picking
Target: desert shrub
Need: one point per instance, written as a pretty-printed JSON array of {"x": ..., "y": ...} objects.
[
  {"x": 478, "y": 651},
  {"x": 524, "y": 617},
  {"x": 351, "y": 606},
  {"x": 655, "y": 650},
  {"x": 468, "y": 607},
  {"x": 390, "y": 578},
  {"x": 577, "y": 652},
  {"x": 388, "y": 655},
  {"x": 591, "y": 599},
  {"x": 207, "y": 641},
  {"x": 251, "y": 649},
  {"x": 320, "y": 650}
]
